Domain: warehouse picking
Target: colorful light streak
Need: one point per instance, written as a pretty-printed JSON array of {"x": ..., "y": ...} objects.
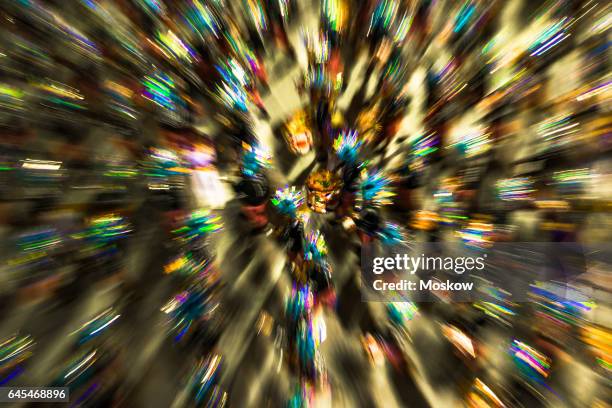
[
  {"x": 375, "y": 188},
  {"x": 515, "y": 189},
  {"x": 315, "y": 247},
  {"x": 254, "y": 160},
  {"x": 530, "y": 361},
  {"x": 391, "y": 234},
  {"x": 288, "y": 200},
  {"x": 347, "y": 146}
]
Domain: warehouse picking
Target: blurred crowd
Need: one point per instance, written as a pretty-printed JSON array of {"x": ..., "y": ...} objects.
[{"x": 155, "y": 155}]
